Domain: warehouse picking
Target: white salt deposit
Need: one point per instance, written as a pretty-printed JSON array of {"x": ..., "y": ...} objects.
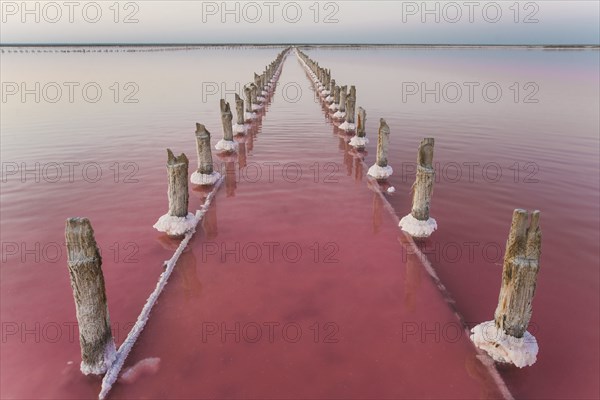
[
  {"x": 204, "y": 179},
  {"x": 240, "y": 128},
  {"x": 334, "y": 106},
  {"x": 521, "y": 352},
  {"x": 339, "y": 115},
  {"x": 417, "y": 228},
  {"x": 257, "y": 106},
  {"x": 391, "y": 189},
  {"x": 380, "y": 173},
  {"x": 347, "y": 126},
  {"x": 175, "y": 226},
  {"x": 261, "y": 99},
  {"x": 226, "y": 145},
  {"x": 359, "y": 141},
  {"x": 249, "y": 116}
]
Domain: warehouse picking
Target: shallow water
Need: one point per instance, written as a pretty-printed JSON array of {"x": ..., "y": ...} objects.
[{"x": 554, "y": 143}]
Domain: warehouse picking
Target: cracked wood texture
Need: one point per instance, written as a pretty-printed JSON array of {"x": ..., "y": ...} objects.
[
  {"x": 351, "y": 105},
  {"x": 383, "y": 140},
  {"x": 239, "y": 109},
  {"x": 226, "y": 119},
  {"x": 519, "y": 273},
  {"x": 343, "y": 96},
  {"x": 205, "y": 162},
  {"x": 87, "y": 281},
  {"x": 177, "y": 170},
  {"x": 362, "y": 120},
  {"x": 423, "y": 186},
  {"x": 248, "y": 94}
]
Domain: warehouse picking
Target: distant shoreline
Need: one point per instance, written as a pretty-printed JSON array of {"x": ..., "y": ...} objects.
[{"x": 187, "y": 45}]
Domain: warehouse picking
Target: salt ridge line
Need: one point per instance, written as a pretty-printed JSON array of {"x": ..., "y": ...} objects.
[
  {"x": 482, "y": 356},
  {"x": 113, "y": 372}
]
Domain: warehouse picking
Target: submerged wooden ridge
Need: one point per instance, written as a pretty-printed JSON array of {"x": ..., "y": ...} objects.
[{"x": 383, "y": 262}]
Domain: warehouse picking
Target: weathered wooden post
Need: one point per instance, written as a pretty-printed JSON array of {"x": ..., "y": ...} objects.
[
  {"x": 359, "y": 141},
  {"x": 240, "y": 126},
  {"x": 263, "y": 82},
  {"x": 349, "y": 125},
  {"x": 330, "y": 97},
  {"x": 336, "y": 99},
  {"x": 418, "y": 223},
  {"x": 87, "y": 281},
  {"x": 341, "y": 113},
  {"x": 226, "y": 144},
  {"x": 257, "y": 82},
  {"x": 177, "y": 222},
  {"x": 205, "y": 174},
  {"x": 325, "y": 84},
  {"x": 255, "y": 102},
  {"x": 506, "y": 338},
  {"x": 381, "y": 170},
  {"x": 249, "y": 113}
]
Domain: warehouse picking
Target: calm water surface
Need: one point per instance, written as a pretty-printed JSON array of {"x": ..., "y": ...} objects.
[{"x": 494, "y": 154}]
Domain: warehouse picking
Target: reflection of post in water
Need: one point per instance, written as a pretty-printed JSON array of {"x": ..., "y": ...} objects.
[
  {"x": 209, "y": 222},
  {"x": 230, "y": 178},
  {"x": 341, "y": 143},
  {"x": 476, "y": 369},
  {"x": 242, "y": 155},
  {"x": 186, "y": 272},
  {"x": 348, "y": 162},
  {"x": 250, "y": 139},
  {"x": 413, "y": 273},
  {"x": 377, "y": 212},
  {"x": 358, "y": 169}
]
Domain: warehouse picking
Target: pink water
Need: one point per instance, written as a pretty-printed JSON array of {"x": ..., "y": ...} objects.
[{"x": 367, "y": 304}]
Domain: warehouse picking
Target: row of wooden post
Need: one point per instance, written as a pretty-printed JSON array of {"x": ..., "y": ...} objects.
[
  {"x": 84, "y": 261},
  {"x": 521, "y": 260}
]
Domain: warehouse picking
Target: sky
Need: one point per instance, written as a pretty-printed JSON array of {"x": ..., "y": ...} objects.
[{"x": 308, "y": 21}]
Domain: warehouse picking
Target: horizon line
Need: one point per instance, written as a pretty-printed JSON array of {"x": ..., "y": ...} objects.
[{"x": 292, "y": 44}]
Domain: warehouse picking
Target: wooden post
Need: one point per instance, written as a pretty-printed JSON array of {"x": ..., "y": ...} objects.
[
  {"x": 383, "y": 140},
  {"x": 423, "y": 186},
  {"x": 381, "y": 170},
  {"x": 352, "y": 91},
  {"x": 350, "y": 108},
  {"x": 205, "y": 161},
  {"x": 519, "y": 274},
  {"x": 177, "y": 222},
  {"x": 239, "y": 110},
  {"x": 330, "y": 99},
  {"x": 205, "y": 174},
  {"x": 257, "y": 80},
  {"x": 362, "y": 120},
  {"x": 342, "y": 102},
  {"x": 418, "y": 223},
  {"x": 87, "y": 281},
  {"x": 177, "y": 170},
  {"x": 226, "y": 119},
  {"x": 336, "y": 95},
  {"x": 506, "y": 339},
  {"x": 248, "y": 93},
  {"x": 254, "y": 92}
]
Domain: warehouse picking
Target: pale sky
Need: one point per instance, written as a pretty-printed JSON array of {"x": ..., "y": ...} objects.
[{"x": 263, "y": 22}]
